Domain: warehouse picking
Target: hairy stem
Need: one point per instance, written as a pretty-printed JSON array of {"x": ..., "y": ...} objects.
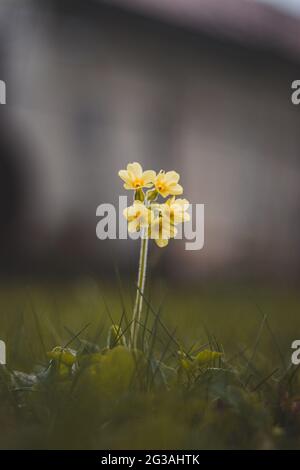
[{"x": 137, "y": 312}]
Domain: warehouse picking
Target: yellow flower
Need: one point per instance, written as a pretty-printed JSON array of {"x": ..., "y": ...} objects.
[
  {"x": 138, "y": 216},
  {"x": 135, "y": 178},
  {"x": 175, "y": 210},
  {"x": 161, "y": 230},
  {"x": 167, "y": 183}
]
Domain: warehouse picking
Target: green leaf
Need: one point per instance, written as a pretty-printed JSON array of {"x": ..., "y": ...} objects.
[
  {"x": 206, "y": 356},
  {"x": 64, "y": 356},
  {"x": 152, "y": 195},
  {"x": 112, "y": 372}
]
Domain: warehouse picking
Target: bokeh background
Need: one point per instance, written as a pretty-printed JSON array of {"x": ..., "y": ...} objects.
[
  {"x": 199, "y": 86},
  {"x": 202, "y": 87}
]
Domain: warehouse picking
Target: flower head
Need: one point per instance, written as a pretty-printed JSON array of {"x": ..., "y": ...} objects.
[
  {"x": 155, "y": 220},
  {"x": 161, "y": 230},
  {"x": 138, "y": 216},
  {"x": 135, "y": 178},
  {"x": 175, "y": 210},
  {"x": 167, "y": 183}
]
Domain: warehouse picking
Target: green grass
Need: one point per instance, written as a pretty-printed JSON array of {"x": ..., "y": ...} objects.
[{"x": 248, "y": 397}]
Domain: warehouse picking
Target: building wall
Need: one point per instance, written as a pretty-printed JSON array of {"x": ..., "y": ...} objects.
[{"x": 90, "y": 93}]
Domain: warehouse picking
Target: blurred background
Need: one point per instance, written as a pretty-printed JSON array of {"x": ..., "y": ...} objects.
[{"x": 199, "y": 86}]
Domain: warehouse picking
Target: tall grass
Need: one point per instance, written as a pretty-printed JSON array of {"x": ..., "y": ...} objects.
[{"x": 211, "y": 370}]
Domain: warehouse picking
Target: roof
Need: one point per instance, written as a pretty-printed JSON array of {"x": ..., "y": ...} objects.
[{"x": 245, "y": 21}]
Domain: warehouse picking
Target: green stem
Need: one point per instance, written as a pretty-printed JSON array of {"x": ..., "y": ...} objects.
[{"x": 137, "y": 312}]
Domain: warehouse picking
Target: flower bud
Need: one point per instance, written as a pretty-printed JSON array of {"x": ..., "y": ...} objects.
[
  {"x": 139, "y": 195},
  {"x": 152, "y": 195}
]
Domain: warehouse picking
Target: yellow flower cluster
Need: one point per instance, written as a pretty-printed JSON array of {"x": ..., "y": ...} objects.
[{"x": 156, "y": 220}]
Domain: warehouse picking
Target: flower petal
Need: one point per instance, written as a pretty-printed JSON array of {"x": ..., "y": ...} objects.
[
  {"x": 125, "y": 212},
  {"x": 154, "y": 228},
  {"x": 136, "y": 169},
  {"x": 175, "y": 189},
  {"x": 149, "y": 176},
  {"x": 182, "y": 202},
  {"x": 172, "y": 177},
  {"x": 161, "y": 243},
  {"x": 186, "y": 217},
  {"x": 168, "y": 230},
  {"x": 125, "y": 176},
  {"x": 164, "y": 192},
  {"x": 146, "y": 218},
  {"x": 129, "y": 213},
  {"x": 133, "y": 226}
]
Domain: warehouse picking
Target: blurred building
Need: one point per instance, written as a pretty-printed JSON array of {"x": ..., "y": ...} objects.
[{"x": 203, "y": 87}]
